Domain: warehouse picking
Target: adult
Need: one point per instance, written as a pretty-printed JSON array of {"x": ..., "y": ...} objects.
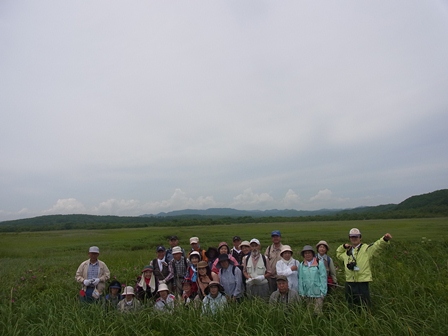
[
  {"x": 236, "y": 250},
  {"x": 358, "y": 274},
  {"x": 211, "y": 254},
  {"x": 214, "y": 300},
  {"x": 194, "y": 243},
  {"x": 147, "y": 284},
  {"x": 312, "y": 279},
  {"x": 287, "y": 266},
  {"x": 257, "y": 271},
  {"x": 284, "y": 295},
  {"x": 230, "y": 278},
  {"x": 272, "y": 253},
  {"x": 174, "y": 242},
  {"x": 223, "y": 248},
  {"x": 245, "y": 249},
  {"x": 192, "y": 271},
  {"x": 129, "y": 303},
  {"x": 205, "y": 276},
  {"x": 92, "y": 274},
  {"x": 322, "y": 248},
  {"x": 178, "y": 269},
  {"x": 161, "y": 267}
]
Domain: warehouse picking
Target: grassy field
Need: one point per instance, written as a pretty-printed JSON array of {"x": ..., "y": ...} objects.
[{"x": 38, "y": 295}]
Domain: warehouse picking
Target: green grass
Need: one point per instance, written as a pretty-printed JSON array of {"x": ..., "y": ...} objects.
[{"x": 38, "y": 295}]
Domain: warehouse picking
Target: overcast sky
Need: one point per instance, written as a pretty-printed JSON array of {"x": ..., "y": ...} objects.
[{"x": 130, "y": 108}]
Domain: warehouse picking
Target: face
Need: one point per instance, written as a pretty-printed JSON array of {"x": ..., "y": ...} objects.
[
  {"x": 174, "y": 242},
  {"x": 114, "y": 291},
  {"x": 308, "y": 255},
  {"x": 322, "y": 249},
  {"x": 276, "y": 239},
  {"x": 93, "y": 256},
  {"x": 202, "y": 271},
  {"x": 214, "y": 291},
  {"x": 163, "y": 294},
  {"x": 160, "y": 254},
  {"x": 194, "y": 260},
  {"x": 147, "y": 274},
  {"x": 254, "y": 247},
  {"x": 282, "y": 286},
  {"x": 177, "y": 256},
  {"x": 236, "y": 243},
  {"x": 186, "y": 287},
  {"x": 224, "y": 250},
  {"x": 194, "y": 246},
  {"x": 245, "y": 249},
  {"x": 129, "y": 297},
  {"x": 286, "y": 255},
  {"x": 355, "y": 240},
  {"x": 224, "y": 264}
]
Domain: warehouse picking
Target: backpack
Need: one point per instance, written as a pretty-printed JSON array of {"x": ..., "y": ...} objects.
[
  {"x": 233, "y": 270},
  {"x": 262, "y": 255}
]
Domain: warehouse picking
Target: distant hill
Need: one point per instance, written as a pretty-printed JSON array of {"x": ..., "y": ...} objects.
[
  {"x": 213, "y": 212},
  {"x": 434, "y": 204}
]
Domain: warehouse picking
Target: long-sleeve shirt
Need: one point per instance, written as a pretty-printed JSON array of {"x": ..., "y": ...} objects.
[
  {"x": 232, "y": 281},
  {"x": 284, "y": 268},
  {"x": 212, "y": 305}
]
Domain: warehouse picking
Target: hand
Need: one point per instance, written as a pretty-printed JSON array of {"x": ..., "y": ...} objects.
[
  {"x": 294, "y": 268},
  {"x": 96, "y": 281},
  {"x": 347, "y": 246},
  {"x": 260, "y": 277},
  {"x": 387, "y": 237},
  {"x": 86, "y": 282},
  {"x": 249, "y": 280}
]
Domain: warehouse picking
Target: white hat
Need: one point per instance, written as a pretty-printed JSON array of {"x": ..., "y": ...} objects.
[
  {"x": 163, "y": 287},
  {"x": 128, "y": 290},
  {"x": 176, "y": 249},
  {"x": 195, "y": 253},
  {"x": 354, "y": 232},
  {"x": 286, "y": 248},
  {"x": 194, "y": 240},
  {"x": 94, "y": 249},
  {"x": 254, "y": 240},
  {"x": 244, "y": 243}
]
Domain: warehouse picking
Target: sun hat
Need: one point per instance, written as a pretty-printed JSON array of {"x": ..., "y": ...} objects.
[
  {"x": 195, "y": 253},
  {"x": 211, "y": 253},
  {"x": 236, "y": 238},
  {"x": 163, "y": 287},
  {"x": 160, "y": 248},
  {"x": 354, "y": 233},
  {"x": 176, "y": 249},
  {"x": 323, "y": 242},
  {"x": 214, "y": 283},
  {"x": 307, "y": 248},
  {"x": 148, "y": 268},
  {"x": 282, "y": 277},
  {"x": 94, "y": 249},
  {"x": 286, "y": 248},
  {"x": 244, "y": 243},
  {"x": 128, "y": 290},
  {"x": 202, "y": 264},
  {"x": 276, "y": 233},
  {"x": 194, "y": 240},
  {"x": 254, "y": 240}
]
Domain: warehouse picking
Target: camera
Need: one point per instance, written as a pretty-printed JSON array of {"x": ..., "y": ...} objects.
[{"x": 351, "y": 265}]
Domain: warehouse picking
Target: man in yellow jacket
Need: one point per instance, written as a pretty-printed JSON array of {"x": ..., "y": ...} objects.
[{"x": 356, "y": 257}]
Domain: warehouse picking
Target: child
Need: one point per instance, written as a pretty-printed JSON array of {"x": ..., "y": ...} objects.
[
  {"x": 322, "y": 250},
  {"x": 129, "y": 303},
  {"x": 114, "y": 295},
  {"x": 166, "y": 300}
]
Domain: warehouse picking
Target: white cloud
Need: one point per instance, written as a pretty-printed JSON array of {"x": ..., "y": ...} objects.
[
  {"x": 291, "y": 199},
  {"x": 66, "y": 206},
  {"x": 249, "y": 198},
  {"x": 322, "y": 195}
]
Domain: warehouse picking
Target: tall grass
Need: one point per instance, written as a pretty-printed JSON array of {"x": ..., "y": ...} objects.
[{"x": 38, "y": 295}]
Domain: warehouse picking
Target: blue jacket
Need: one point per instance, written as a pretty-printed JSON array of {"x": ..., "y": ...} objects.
[{"x": 312, "y": 279}]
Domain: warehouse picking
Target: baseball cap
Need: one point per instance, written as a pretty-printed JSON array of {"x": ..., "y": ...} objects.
[
  {"x": 276, "y": 233},
  {"x": 354, "y": 233},
  {"x": 254, "y": 240},
  {"x": 194, "y": 240},
  {"x": 94, "y": 249},
  {"x": 160, "y": 248}
]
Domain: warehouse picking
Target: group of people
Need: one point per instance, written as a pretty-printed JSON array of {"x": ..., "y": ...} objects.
[{"x": 211, "y": 278}]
